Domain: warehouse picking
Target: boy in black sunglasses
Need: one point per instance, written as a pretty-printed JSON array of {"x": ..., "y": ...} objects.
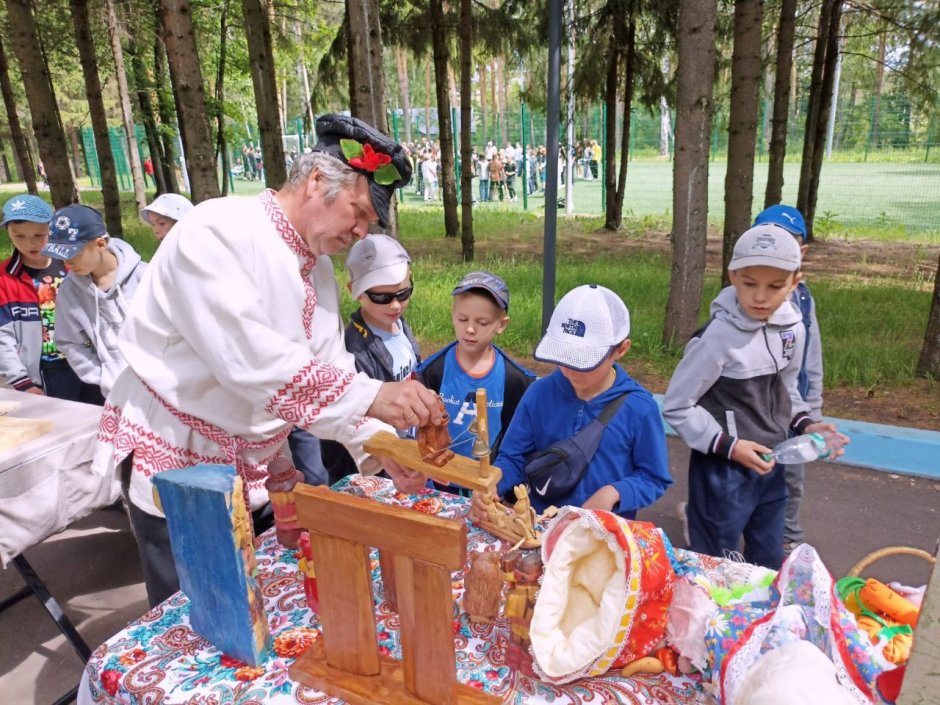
[{"x": 377, "y": 335}]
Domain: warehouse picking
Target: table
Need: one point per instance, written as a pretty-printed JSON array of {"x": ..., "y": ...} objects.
[
  {"x": 158, "y": 658},
  {"x": 45, "y": 484}
]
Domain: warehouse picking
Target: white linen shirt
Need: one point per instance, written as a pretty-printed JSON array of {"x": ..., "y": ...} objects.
[{"x": 234, "y": 337}]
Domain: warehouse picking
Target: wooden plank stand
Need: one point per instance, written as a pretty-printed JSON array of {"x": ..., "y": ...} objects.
[{"x": 346, "y": 663}]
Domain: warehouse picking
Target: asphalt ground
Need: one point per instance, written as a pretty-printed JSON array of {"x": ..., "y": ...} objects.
[{"x": 92, "y": 567}]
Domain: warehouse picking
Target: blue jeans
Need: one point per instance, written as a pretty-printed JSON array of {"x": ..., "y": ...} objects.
[
  {"x": 726, "y": 501},
  {"x": 305, "y": 450},
  {"x": 484, "y": 190}
]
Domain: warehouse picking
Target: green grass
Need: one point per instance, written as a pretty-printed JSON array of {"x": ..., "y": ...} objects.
[{"x": 872, "y": 327}]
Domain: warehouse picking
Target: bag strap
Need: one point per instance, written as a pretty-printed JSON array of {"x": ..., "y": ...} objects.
[{"x": 611, "y": 408}]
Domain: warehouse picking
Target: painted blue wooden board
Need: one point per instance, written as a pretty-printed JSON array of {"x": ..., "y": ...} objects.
[
  {"x": 215, "y": 562},
  {"x": 898, "y": 449}
]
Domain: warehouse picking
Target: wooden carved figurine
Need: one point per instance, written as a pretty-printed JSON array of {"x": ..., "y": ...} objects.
[
  {"x": 483, "y": 586},
  {"x": 282, "y": 477},
  {"x": 526, "y": 569},
  {"x": 434, "y": 442}
]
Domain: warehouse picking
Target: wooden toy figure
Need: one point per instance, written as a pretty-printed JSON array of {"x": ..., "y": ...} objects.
[
  {"x": 282, "y": 477},
  {"x": 526, "y": 569},
  {"x": 434, "y": 442},
  {"x": 483, "y": 585}
]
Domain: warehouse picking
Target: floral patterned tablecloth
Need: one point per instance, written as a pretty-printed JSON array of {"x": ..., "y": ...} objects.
[{"x": 159, "y": 659}]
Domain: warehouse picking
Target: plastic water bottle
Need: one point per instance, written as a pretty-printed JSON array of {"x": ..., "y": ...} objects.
[{"x": 806, "y": 448}]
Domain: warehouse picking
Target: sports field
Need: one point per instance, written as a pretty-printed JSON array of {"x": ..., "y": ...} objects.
[{"x": 867, "y": 200}]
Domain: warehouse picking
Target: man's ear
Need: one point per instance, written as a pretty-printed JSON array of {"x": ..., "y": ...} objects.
[{"x": 312, "y": 183}]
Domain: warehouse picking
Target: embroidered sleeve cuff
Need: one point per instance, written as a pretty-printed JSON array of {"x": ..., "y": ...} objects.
[
  {"x": 24, "y": 384},
  {"x": 314, "y": 387},
  {"x": 723, "y": 444},
  {"x": 800, "y": 423}
]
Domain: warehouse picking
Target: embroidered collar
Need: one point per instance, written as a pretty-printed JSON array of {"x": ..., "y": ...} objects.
[{"x": 286, "y": 230}]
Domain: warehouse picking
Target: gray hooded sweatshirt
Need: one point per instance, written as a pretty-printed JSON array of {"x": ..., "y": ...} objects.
[
  {"x": 738, "y": 379},
  {"x": 88, "y": 319}
]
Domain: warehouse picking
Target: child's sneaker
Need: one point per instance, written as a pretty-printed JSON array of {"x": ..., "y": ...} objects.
[{"x": 683, "y": 516}]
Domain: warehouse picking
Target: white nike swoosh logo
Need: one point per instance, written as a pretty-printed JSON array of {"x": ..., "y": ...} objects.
[{"x": 544, "y": 488}]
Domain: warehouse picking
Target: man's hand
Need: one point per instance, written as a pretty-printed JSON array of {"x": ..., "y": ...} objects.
[
  {"x": 479, "y": 505},
  {"x": 406, "y": 404},
  {"x": 34, "y": 390},
  {"x": 747, "y": 453},
  {"x": 823, "y": 427},
  {"x": 406, "y": 481},
  {"x": 605, "y": 498}
]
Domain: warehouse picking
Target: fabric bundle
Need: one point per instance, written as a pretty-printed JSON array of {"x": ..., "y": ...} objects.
[{"x": 605, "y": 594}]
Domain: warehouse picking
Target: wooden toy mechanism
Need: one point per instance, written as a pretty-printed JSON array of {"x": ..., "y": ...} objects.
[
  {"x": 346, "y": 662},
  {"x": 431, "y": 453}
]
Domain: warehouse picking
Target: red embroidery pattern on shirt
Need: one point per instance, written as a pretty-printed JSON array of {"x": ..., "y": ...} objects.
[
  {"x": 297, "y": 245},
  {"x": 313, "y": 387}
]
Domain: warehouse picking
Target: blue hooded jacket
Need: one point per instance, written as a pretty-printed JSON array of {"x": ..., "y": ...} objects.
[{"x": 632, "y": 456}]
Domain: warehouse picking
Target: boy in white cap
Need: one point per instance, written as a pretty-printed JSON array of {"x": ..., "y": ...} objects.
[
  {"x": 623, "y": 466},
  {"x": 734, "y": 396},
  {"x": 164, "y": 211},
  {"x": 377, "y": 335}
]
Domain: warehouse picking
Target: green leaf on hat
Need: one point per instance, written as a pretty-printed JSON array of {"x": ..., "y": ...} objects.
[
  {"x": 351, "y": 149},
  {"x": 386, "y": 175}
]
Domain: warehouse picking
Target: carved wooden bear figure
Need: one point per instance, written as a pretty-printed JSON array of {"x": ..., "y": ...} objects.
[{"x": 483, "y": 585}]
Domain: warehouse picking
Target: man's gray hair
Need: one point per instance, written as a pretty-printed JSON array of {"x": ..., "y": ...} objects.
[{"x": 335, "y": 175}]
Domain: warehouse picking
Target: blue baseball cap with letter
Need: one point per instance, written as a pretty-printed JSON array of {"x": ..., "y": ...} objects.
[
  {"x": 787, "y": 217},
  {"x": 71, "y": 229},
  {"x": 26, "y": 208}
]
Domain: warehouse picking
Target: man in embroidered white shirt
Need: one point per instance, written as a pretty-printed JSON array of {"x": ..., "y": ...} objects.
[{"x": 235, "y": 337}]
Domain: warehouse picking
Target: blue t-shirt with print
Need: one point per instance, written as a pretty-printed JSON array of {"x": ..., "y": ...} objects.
[
  {"x": 404, "y": 360},
  {"x": 459, "y": 393}
]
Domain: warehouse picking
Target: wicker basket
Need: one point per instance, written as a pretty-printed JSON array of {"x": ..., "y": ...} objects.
[{"x": 857, "y": 569}]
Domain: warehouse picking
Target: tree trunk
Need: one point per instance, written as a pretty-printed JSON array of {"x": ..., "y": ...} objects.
[
  {"x": 221, "y": 144},
  {"x": 53, "y": 149},
  {"x": 264, "y": 80},
  {"x": 694, "y": 83},
  {"x": 20, "y": 149},
  {"x": 466, "y": 143},
  {"x": 84, "y": 40},
  {"x": 879, "y": 88},
  {"x": 629, "y": 80},
  {"x": 401, "y": 66},
  {"x": 133, "y": 152},
  {"x": 166, "y": 108},
  {"x": 427, "y": 97},
  {"x": 781, "y": 110},
  {"x": 188, "y": 88},
  {"x": 665, "y": 124},
  {"x": 929, "y": 363},
  {"x": 742, "y": 124},
  {"x": 367, "y": 100},
  {"x": 820, "y": 100},
  {"x": 610, "y": 136},
  {"x": 503, "y": 100},
  {"x": 441, "y": 46},
  {"x": 452, "y": 86},
  {"x": 145, "y": 105},
  {"x": 484, "y": 128},
  {"x": 75, "y": 150}
]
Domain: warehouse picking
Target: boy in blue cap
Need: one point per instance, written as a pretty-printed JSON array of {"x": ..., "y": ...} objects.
[
  {"x": 94, "y": 298},
  {"x": 810, "y": 380},
  {"x": 29, "y": 279}
]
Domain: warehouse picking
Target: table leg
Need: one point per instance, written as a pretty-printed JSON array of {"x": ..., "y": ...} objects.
[{"x": 38, "y": 587}]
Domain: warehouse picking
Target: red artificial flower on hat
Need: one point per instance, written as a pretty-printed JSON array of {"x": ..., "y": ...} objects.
[
  {"x": 363, "y": 156},
  {"x": 370, "y": 159}
]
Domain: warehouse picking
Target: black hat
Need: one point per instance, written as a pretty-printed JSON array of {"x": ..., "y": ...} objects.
[{"x": 366, "y": 150}]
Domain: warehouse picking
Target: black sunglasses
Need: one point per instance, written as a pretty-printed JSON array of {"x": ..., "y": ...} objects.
[{"x": 385, "y": 299}]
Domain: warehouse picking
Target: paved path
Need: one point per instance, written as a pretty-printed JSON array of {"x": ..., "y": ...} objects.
[{"x": 93, "y": 569}]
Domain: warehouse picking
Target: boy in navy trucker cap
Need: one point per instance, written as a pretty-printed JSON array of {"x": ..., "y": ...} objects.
[
  {"x": 94, "y": 298},
  {"x": 29, "y": 279},
  {"x": 629, "y": 469}
]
